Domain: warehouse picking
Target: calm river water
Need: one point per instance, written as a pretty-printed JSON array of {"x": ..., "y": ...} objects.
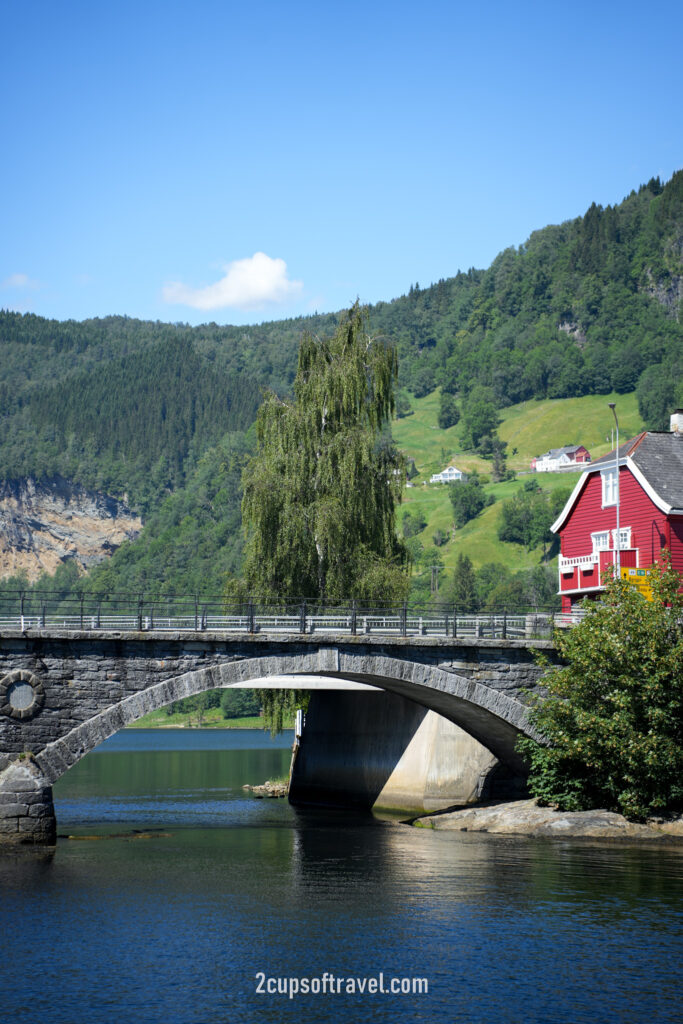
[{"x": 177, "y": 921}]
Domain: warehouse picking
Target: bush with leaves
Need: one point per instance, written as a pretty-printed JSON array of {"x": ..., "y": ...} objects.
[
  {"x": 239, "y": 703},
  {"x": 468, "y": 499},
  {"x": 613, "y": 715},
  {"x": 526, "y": 518},
  {"x": 413, "y": 523},
  {"x": 403, "y": 406}
]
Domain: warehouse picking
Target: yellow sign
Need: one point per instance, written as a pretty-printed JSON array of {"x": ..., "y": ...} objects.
[{"x": 639, "y": 580}]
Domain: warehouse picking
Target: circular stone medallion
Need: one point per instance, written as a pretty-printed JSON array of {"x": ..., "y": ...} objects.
[{"x": 21, "y": 694}]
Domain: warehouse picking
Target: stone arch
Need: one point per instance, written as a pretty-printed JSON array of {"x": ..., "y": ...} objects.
[{"x": 493, "y": 718}]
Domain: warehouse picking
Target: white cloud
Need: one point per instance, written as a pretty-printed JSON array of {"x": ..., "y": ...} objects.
[
  {"x": 18, "y": 281},
  {"x": 247, "y": 284}
]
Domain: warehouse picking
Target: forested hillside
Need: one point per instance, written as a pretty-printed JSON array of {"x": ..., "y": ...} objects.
[
  {"x": 130, "y": 407},
  {"x": 115, "y": 413},
  {"x": 589, "y": 306},
  {"x": 191, "y": 539}
]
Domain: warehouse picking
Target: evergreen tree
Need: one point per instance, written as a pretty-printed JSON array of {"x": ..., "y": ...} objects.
[
  {"x": 462, "y": 593},
  {"x": 480, "y": 416},
  {"x": 449, "y": 414}
]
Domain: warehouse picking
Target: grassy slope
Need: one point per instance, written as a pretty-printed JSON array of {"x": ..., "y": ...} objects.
[
  {"x": 532, "y": 427},
  {"x": 535, "y": 426},
  {"x": 212, "y": 719}
]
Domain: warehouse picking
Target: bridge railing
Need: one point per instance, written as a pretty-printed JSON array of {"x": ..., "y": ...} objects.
[{"x": 35, "y": 610}]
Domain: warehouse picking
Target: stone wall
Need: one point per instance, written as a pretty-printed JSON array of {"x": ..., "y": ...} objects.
[{"x": 62, "y": 694}]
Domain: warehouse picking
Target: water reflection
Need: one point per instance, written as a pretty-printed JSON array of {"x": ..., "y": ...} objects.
[{"x": 175, "y": 928}]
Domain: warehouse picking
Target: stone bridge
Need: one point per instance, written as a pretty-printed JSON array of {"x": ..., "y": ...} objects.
[{"x": 62, "y": 692}]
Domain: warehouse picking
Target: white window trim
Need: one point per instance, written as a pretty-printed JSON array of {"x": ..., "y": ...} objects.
[
  {"x": 607, "y": 476},
  {"x": 601, "y": 533},
  {"x": 580, "y": 590},
  {"x": 625, "y": 532}
]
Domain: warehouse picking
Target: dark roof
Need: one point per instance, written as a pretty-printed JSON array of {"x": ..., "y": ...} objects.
[
  {"x": 624, "y": 449},
  {"x": 659, "y": 457},
  {"x": 567, "y": 450}
]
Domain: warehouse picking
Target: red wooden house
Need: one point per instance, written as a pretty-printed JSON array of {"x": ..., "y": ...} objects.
[{"x": 650, "y": 505}]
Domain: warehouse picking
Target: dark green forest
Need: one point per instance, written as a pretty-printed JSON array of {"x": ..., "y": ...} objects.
[
  {"x": 162, "y": 412},
  {"x": 585, "y": 307}
]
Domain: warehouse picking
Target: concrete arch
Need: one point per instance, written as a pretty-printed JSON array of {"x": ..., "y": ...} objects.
[{"x": 493, "y": 718}]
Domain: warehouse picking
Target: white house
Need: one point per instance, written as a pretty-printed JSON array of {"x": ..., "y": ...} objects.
[
  {"x": 449, "y": 475},
  {"x": 561, "y": 458}
]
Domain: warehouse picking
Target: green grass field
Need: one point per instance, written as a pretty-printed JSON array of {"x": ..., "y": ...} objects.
[
  {"x": 532, "y": 428},
  {"x": 212, "y": 719}
]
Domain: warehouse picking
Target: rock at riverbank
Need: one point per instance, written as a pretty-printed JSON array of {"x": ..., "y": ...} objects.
[
  {"x": 269, "y": 790},
  {"x": 526, "y": 818}
]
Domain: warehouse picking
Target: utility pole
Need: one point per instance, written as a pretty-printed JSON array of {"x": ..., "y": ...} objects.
[{"x": 617, "y": 546}]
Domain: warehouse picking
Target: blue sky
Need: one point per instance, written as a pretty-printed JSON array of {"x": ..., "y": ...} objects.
[{"x": 239, "y": 163}]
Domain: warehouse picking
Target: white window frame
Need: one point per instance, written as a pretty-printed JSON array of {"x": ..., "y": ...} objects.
[
  {"x": 601, "y": 541},
  {"x": 609, "y": 486},
  {"x": 624, "y": 538}
]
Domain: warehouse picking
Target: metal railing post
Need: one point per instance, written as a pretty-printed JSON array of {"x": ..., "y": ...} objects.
[
  {"x": 140, "y": 614},
  {"x": 21, "y": 602},
  {"x": 250, "y": 613},
  {"x": 505, "y": 624},
  {"x": 404, "y": 620},
  {"x": 196, "y": 613},
  {"x": 302, "y": 617},
  {"x": 204, "y": 617},
  {"x": 455, "y": 624},
  {"x": 42, "y": 615},
  {"x": 99, "y": 610},
  {"x": 353, "y": 619},
  {"x": 82, "y": 599}
]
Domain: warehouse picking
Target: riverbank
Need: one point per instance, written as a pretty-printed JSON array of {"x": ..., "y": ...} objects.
[
  {"x": 270, "y": 790},
  {"x": 526, "y": 818},
  {"x": 212, "y": 718}
]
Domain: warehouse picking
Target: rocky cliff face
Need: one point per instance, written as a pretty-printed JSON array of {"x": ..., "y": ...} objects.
[
  {"x": 668, "y": 293},
  {"x": 48, "y": 522}
]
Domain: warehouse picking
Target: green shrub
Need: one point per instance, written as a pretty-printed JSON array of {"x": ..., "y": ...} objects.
[{"x": 613, "y": 716}]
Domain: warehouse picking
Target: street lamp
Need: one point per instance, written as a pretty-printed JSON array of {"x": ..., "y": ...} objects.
[{"x": 617, "y": 551}]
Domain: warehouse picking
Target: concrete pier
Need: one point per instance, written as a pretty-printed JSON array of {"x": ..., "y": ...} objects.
[{"x": 383, "y": 751}]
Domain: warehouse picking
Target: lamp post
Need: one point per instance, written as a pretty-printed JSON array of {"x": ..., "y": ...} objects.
[{"x": 617, "y": 550}]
